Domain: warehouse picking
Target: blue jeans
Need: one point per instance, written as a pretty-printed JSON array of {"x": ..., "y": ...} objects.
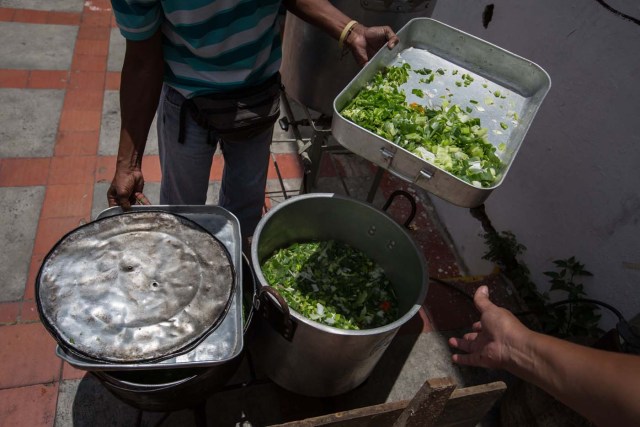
[{"x": 186, "y": 166}]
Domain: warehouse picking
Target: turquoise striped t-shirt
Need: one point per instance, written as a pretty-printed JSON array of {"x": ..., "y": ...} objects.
[{"x": 209, "y": 45}]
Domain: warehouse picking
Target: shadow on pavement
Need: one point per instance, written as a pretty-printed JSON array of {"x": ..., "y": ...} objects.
[{"x": 258, "y": 402}]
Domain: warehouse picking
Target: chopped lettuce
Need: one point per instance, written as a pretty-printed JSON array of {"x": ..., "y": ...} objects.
[
  {"x": 332, "y": 283},
  {"x": 446, "y": 136}
]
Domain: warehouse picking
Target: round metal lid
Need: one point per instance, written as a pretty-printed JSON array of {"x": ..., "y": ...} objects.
[{"x": 140, "y": 286}]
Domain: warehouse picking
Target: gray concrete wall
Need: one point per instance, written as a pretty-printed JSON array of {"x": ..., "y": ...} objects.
[{"x": 574, "y": 188}]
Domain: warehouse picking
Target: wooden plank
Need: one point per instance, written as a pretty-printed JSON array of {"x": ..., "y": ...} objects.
[
  {"x": 469, "y": 405},
  {"x": 465, "y": 407},
  {"x": 427, "y": 405},
  {"x": 382, "y": 415}
]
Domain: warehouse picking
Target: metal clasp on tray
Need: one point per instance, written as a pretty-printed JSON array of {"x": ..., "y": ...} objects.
[
  {"x": 388, "y": 157},
  {"x": 387, "y": 154},
  {"x": 426, "y": 174}
]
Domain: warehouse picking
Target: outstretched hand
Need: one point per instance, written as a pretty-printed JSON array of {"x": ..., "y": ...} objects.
[
  {"x": 364, "y": 42},
  {"x": 494, "y": 337}
]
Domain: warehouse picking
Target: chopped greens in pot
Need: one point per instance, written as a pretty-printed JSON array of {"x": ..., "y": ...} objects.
[
  {"x": 446, "y": 136},
  {"x": 332, "y": 283}
]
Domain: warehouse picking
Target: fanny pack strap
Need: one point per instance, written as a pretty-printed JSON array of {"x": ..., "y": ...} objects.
[{"x": 189, "y": 105}]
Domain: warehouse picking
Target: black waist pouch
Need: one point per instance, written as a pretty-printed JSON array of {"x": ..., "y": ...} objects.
[{"x": 236, "y": 115}]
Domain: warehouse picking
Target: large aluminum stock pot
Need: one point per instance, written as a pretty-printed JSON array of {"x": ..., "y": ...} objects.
[{"x": 310, "y": 358}]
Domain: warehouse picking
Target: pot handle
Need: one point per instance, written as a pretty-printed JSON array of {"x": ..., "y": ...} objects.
[
  {"x": 411, "y": 200},
  {"x": 278, "y": 315}
]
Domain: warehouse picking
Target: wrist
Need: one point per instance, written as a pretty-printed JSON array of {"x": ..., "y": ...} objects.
[
  {"x": 131, "y": 163},
  {"x": 129, "y": 153},
  {"x": 355, "y": 37},
  {"x": 520, "y": 351},
  {"x": 346, "y": 32}
]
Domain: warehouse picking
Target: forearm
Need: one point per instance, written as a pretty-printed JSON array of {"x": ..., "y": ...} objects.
[
  {"x": 602, "y": 386},
  {"x": 320, "y": 13},
  {"x": 140, "y": 87}
]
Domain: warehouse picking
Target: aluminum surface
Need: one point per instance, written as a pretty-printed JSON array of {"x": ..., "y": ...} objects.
[
  {"x": 426, "y": 43},
  {"x": 222, "y": 345},
  {"x": 135, "y": 287},
  {"x": 321, "y": 360}
]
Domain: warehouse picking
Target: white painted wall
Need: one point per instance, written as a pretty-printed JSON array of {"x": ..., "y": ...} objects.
[{"x": 574, "y": 187}]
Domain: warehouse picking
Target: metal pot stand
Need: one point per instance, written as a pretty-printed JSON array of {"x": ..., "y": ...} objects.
[{"x": 176, "y": 389}]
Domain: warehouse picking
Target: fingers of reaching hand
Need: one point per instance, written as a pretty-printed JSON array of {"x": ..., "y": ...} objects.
[
  {"x": 471, "y": 336},
  {"x": 454, "y": 342},
  {"x": 463, "y": 343},
  {"x": 481, "y": 299},
  {"x": 463, "y": 359},
  {"x": 477, "y": 326}
]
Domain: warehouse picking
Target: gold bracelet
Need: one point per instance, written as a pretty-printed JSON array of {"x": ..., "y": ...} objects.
[{"x": 345, "y": 33}]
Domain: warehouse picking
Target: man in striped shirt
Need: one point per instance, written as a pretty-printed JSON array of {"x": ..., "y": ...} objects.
[{"x": 178, "y": 50}]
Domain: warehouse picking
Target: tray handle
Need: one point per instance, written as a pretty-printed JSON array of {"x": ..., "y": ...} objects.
[{"x": 424, "y": 173}]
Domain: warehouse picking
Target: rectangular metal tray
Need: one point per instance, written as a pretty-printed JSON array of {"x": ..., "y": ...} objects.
[
  {"x": 226, "y": 341},
  {"x": 427, "y": 43}
]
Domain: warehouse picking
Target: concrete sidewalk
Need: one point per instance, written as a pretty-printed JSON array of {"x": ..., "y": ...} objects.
[{"x": 60, "y": 64}]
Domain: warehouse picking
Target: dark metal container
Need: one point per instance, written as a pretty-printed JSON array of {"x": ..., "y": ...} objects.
[{"x": 175, "y": 389}]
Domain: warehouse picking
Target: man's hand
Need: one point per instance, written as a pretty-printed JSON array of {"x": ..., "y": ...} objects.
[
  {"x": 126, "y": 188},
  {"x": 364, "y": 42},
  {"x": 493, "y": 337}
]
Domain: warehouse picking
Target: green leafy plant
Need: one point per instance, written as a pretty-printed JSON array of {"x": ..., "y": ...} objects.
[
  {"x": 570, "y": 316},
  {"x": 504, "y": 250},
  {"x": 576, "y": 318}
]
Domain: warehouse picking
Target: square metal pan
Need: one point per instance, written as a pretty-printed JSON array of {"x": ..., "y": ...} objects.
[
  {"x": 427, "y": 43},
  {"x": 226, "y": 341}
]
